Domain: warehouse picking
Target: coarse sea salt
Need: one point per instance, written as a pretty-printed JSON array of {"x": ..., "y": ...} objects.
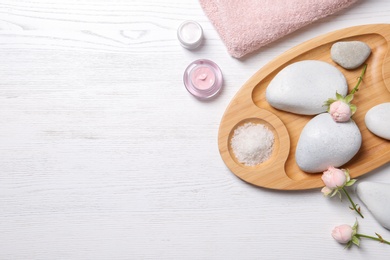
[{"x": 252, "y": 143}]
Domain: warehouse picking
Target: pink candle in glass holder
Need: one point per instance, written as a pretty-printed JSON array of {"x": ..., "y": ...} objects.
[{"x": 203, "y": 78}]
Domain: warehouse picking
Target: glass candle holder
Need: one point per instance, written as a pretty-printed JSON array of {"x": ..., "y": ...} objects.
[{"x": 203, "y": 78}]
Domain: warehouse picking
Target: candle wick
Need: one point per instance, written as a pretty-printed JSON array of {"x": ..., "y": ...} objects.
[{"x": 202, "y": 76}]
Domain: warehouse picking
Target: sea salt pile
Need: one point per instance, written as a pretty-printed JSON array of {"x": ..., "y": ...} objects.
[{"x": 252, "y": 143}]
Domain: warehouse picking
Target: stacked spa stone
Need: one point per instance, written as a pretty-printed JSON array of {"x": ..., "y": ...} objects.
[
  {"x": 376, "y": 197},
  {"x": 302, "y": 88},
  {"x": 350, "y": 55},
  {"x": 377, "y": 120}
]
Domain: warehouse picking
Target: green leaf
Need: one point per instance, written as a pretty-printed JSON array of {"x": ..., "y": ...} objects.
[
  {"x": 355, "y": 227},
  {"x": 328, "y": 103},
  {"x": 346, "y": 172},
  {"x": 350, "y": 182},
  {"x": 353, "y": 108},
  {"x": 356, "y": 240},
  {"x": 334, "y": 193},
  {"x": 348, "y": 98},
  {"x": 339, "y": 193},
  {"x": 339, "y": 97},
  {"x": 348, "y": 245}
]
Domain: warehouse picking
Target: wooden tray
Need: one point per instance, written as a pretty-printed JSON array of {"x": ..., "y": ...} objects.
[{"x": 249, "y": 105}]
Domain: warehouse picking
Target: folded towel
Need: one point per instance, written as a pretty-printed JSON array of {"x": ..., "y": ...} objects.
[{"x": 246, "y": 25}]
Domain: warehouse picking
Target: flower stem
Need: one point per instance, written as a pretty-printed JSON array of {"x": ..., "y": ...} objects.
[
  {"x": 360, "y": 79},
  {"x": 379, "y": 238},
  {"x": 352, "y": 203}
]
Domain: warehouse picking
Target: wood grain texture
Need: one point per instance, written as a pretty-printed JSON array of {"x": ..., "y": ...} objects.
[
  {"x": 105, "y": 155},
  {"x": 250, "y": 105}
]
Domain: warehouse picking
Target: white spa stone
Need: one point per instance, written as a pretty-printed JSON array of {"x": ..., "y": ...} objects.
[
  {"x": 350, "y": 55},
  {"x": 376, "y": 197},
  {"x": 324, "y": 143},
  {"x": 377, "y": 120},
  {"x": 304, "y": 86}
]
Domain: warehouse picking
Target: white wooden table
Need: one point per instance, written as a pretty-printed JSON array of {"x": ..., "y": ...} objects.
[{"x": 105, "y": 155}]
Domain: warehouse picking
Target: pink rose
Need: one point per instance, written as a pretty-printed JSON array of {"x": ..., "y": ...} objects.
[
  {"x": 334, "y": 178},
  {"x": 340, "y": 111},
  {"x": 343, "y": 234}
]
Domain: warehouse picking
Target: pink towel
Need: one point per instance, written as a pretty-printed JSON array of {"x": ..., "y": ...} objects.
[{"x": 247, "y": 25}]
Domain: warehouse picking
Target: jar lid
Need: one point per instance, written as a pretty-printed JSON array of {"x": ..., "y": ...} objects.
[
  {"x": 203, "y": 78},
  {"x": 190, "y": 34}
]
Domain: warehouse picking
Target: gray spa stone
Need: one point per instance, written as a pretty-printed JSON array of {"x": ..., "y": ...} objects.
[
  {"x": 376, "y": 197},
  {"x": 324, "y": 142},
  {"x": 377, "y": 120},
  {"x": 350, "y": 55},
  {"x": 303, "y": 87}
]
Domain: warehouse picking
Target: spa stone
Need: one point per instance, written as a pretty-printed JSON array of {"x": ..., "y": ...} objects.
[
  {"x": 350, "y": 55},
  {"x": 304, "y": 86},
  {"x": 324, "y": 142},
  {"x": 377, "y": 120},
  {"x": 376, "y": 197}
]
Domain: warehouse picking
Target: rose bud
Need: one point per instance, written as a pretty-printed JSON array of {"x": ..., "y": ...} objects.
[
  {"x": 343, "y": 234},
  {"x": 334, "y": 178},
  {"x": 340, "y": 111}
]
